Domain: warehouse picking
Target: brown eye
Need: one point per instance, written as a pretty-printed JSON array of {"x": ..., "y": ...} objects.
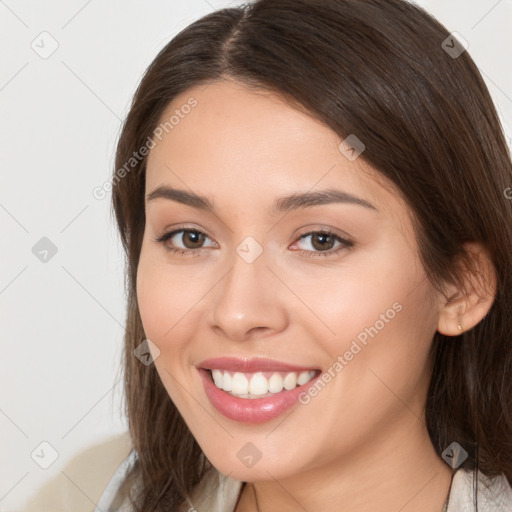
[
  {"x": 322, "y": 241},
  {"x": 192, "y": 239},
  {"x": 184, "y": 240}
]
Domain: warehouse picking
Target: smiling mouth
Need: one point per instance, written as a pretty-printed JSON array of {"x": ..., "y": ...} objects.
[{"x": 254, "y": 385}]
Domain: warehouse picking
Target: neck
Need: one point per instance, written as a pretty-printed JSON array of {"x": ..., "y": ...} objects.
[{"x": 402, "y": 474}]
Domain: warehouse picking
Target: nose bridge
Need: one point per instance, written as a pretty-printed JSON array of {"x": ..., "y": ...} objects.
[{"x": 246, "y": 300}]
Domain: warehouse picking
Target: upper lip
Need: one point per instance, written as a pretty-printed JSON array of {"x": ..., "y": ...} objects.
[{"x": 237, "y": 364}]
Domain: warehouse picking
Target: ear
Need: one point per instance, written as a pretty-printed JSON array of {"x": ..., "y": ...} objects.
[{"x": 461, "y": 310}]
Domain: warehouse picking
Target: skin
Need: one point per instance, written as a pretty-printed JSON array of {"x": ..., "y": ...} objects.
[{"x": 361, "y": 444}]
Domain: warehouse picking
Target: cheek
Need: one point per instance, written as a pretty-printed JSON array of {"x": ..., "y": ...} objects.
[
  {"x": 382, "y": 349},
  {"x": 375, "y": 314},
  {"x": 164, "y": 296},
  {"x": 366, "y": 288},
  {"x": 152, "y": 297},
  {"x": 164, "y": 300}
]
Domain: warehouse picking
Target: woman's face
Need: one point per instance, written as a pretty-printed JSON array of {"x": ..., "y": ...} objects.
[{"x": 251, "y": 280}]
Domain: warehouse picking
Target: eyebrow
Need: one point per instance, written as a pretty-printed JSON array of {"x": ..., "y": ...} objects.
[{"x": 282, "y": 204}]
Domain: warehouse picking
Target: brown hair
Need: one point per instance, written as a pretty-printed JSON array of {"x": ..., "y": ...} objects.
[{"x": 376, "y": 69}]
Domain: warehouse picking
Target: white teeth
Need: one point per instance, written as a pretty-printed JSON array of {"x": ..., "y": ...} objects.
[
  {"x": 290, "y": 381},
  {"x": 240, "y": 384},
  {"x": 303, "y": 378},
  {"x": 275, "y": 383},
  {"x": 217, "y": 378},
  {"x": 256, "y": 385},
  {"x": 226, "y": 382}
]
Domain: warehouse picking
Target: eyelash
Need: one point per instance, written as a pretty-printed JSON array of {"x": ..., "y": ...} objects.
[{"x": 345, "y": 244}]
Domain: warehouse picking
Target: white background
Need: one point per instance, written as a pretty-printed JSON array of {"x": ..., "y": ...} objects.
[{"x": 61, "y": 323}]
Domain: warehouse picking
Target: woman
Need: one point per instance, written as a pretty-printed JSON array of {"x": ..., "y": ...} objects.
[{"x": 310, "y": 194}]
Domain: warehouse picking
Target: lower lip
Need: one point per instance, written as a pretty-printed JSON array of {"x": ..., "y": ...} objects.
[{"x": 251, "y": 410}]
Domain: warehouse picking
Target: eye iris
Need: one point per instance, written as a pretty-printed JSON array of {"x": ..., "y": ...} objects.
[
  {"x": 197, "y": 239},
  {"x": 326, "y": 241}
]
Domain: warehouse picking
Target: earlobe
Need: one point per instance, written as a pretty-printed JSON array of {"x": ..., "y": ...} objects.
[
  {"x": 451, "y": 317},
  {"x": 464, "y": 309}
]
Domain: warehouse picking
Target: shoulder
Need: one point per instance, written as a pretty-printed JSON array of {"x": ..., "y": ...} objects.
[
  {"x": 109, "y": 494},
  {"x": 219, "y": 493},
  {"x": 494, "y": 493},
  {"x": 215, "y": 492},
  {"x": 82, "y": 477}
]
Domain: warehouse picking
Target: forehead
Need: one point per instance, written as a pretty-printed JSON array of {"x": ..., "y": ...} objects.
[{"x": 234, "y": 140}]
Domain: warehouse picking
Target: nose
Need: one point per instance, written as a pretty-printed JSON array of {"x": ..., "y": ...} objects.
[{"x": 247, "y": 302}]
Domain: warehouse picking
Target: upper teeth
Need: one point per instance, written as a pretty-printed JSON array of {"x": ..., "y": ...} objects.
[{"x": 254, "y": 385}]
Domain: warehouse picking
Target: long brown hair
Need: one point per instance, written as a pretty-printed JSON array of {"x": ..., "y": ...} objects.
[{"x": 380, "y": 70}]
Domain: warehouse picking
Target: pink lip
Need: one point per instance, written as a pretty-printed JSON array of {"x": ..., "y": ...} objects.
[
  {"x": 247, "y": 410},
  {"x": 235, "y": 364}
]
